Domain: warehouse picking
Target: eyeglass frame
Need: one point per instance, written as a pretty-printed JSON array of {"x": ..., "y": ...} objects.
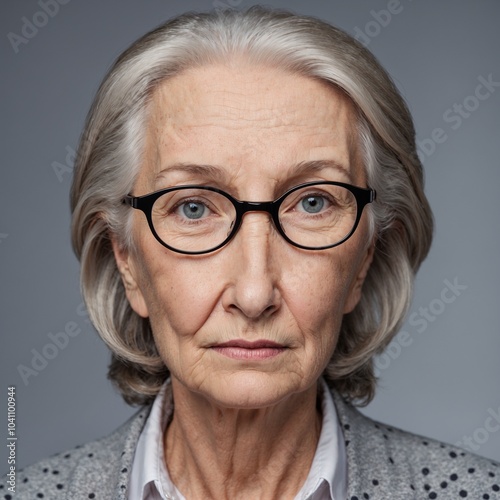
[{"x": 145, "y": 203}]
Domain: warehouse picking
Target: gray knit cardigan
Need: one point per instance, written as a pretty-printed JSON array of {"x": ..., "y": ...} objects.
[{"x": 384, "y": 463}]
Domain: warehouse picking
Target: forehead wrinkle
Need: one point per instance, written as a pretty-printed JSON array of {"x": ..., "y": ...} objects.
[
  {"x": 234, "y": 104},
  {"x": 231, "y": 105}
]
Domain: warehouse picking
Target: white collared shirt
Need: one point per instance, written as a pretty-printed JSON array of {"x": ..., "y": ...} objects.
[{"x": 149, "y": 478}]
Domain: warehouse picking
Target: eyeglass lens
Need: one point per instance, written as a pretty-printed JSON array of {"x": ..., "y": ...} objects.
[{"x": 197, "y": 220}]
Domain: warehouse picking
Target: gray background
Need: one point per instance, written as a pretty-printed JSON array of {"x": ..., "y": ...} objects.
[{"x": 444, "y": 382}]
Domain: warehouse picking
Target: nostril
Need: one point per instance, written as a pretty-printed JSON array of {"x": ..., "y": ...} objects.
[{"x": 269, "y": 310}]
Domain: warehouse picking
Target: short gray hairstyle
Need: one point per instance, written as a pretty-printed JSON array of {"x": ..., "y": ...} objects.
[{"x": 112, "y": 146}]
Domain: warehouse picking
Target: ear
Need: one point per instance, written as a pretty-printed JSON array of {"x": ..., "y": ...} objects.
[
  {"x": 128, "y": 271},
  {"x": 354, "y": 295}
]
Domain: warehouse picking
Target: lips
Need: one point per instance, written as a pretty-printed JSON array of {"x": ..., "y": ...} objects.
[
  {"x": 245, "y": 344},
  {"x": 245, "y": 350}
]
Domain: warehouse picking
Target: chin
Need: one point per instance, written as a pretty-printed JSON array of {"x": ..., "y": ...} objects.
[{"x": 249, "y": 389}]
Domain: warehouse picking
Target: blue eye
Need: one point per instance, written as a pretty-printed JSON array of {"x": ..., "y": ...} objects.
[
  {"x": 193, "y": 209},
  {"x": 313, "y": 204}
]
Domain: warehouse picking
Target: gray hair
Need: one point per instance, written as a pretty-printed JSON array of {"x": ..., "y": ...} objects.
[{"x": 112, "y": 146}]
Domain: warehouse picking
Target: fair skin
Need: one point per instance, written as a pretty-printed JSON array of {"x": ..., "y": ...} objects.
[{"x": 245, "y": 428}]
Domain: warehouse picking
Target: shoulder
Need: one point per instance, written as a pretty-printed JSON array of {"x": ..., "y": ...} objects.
[
  {"x": 384, "y": 460},
  {"x": 94, "y": 470}
]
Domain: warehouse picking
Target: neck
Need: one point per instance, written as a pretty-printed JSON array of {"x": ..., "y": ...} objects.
[{"x": 214, "y": 452}]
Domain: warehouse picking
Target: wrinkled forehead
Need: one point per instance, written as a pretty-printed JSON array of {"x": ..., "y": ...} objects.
[{"x": 250, "y": 119}]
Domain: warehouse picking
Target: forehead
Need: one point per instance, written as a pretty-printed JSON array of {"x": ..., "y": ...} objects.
[{"x": 249, "y": 122}]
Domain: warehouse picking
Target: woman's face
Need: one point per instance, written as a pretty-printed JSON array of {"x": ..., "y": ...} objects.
[{"x": 246, "y": 130}]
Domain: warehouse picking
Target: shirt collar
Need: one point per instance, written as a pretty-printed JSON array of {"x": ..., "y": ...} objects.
[
  {"x": 327, "y": 479},
  {"x": 149, "y": 479}
]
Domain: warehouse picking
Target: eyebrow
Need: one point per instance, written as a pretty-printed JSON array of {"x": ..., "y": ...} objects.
[
  {"x": 212, "y": 172},
  {"x": 311, "y": 167},
  {"x": 219, "y": 174}
]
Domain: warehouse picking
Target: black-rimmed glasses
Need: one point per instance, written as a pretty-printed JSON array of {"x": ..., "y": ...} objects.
[{"x": 201, "y": 219}]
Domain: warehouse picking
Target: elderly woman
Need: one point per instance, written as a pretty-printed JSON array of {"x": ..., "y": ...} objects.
[{"x": 249, "y": 212}]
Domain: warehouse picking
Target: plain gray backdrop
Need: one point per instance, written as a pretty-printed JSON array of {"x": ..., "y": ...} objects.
[{"x": 441, "y": 379}]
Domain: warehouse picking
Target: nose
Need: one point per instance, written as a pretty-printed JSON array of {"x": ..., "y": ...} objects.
[{"x": 253, "y": 289}]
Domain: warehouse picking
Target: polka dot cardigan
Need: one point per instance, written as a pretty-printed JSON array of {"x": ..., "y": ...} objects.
[{"x": 384, "y": 463}]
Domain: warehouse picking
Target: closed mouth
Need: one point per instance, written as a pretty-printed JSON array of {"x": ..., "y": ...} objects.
[{"x": 257, "y": 350}]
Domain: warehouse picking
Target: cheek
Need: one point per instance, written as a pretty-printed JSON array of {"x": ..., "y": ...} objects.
[
  {"x": 181, "y": 294},
  {"x": 316, "y": 293}
]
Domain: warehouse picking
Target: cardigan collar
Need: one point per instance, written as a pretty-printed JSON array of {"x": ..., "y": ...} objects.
[{"x": 363, "y": 446}]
